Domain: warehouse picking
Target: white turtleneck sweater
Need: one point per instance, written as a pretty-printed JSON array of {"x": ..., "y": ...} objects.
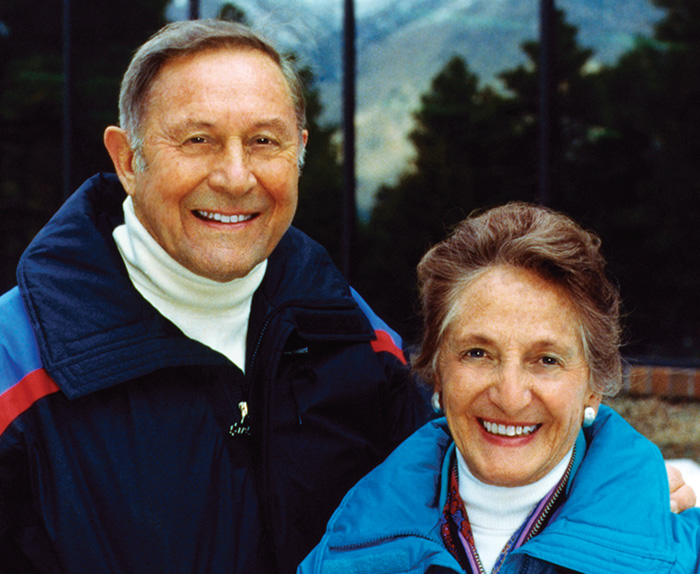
[
  {"x": 496, "y": 512},
  {"x": 205, "y": 310}
]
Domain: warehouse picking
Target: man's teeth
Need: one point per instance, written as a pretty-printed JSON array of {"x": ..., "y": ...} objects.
[
  {"x": 223, "y": 218},
  {"x": 509, "y": 430}
]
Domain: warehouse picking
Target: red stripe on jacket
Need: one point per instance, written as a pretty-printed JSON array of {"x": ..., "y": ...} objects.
[
  {"x": 17, "y": 399},
  {"x": 384, "y": 342}
]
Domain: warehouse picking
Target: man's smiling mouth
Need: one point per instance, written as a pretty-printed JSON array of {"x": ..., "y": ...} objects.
[
  {"x": 218, "y": 217},
  {"x": 508, "y": 430}
]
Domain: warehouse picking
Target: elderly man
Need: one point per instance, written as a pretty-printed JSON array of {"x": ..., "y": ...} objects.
[{"x": 187, "y": 383}]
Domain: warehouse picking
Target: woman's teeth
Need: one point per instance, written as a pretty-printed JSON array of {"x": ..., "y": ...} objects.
[{"x": 508, "y": 430}]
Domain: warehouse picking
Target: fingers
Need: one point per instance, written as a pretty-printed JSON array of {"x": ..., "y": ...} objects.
[{"x": 682, "y": 495}]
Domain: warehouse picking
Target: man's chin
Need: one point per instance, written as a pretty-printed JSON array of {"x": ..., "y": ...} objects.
[{"x": 224, "y": 272}]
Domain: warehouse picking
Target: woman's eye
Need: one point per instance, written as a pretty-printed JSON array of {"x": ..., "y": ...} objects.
[
  {"x": 547, "y": 360},
  {"x": 475, "y": 354}
]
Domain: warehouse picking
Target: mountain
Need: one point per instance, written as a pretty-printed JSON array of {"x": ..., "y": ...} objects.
[{"x": 403, "y": 44}]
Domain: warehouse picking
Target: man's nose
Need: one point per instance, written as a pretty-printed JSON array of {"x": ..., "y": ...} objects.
[
  {"x": 510, "y": 390},
  {"x": 232, "y": 171}
]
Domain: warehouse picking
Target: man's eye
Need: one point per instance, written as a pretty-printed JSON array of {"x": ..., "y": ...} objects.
[
  {"x": 197, "y": 140},
  {"x": 548, "y": 360},
  {"x": 265, "y": 142}
]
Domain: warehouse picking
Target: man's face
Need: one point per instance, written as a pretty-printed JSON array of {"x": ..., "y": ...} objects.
[{"x": 221, "y": 148}]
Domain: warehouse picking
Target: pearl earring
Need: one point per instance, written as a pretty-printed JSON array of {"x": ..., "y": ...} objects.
[
  {"x": 435, "y": 401},
  {"x": 589, "y": 414}
]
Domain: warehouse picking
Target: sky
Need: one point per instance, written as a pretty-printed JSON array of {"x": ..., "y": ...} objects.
[
  {"x": 394, "y": 72},
  {"x": 362, "y": 7}
]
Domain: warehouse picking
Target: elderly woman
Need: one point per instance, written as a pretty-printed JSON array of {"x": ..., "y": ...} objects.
[{"x": 521, "y": 344}]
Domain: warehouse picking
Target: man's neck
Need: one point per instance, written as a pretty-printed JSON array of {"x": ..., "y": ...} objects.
[{"x": 210, "y": 312}]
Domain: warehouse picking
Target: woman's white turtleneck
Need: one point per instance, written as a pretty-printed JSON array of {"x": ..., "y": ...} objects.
[
  {"x": 496, "y": 512},
  {"x": 210, "y": 312}
]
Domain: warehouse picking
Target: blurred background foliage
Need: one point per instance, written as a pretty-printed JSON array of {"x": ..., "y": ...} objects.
[{"x": 626, "y": 156}]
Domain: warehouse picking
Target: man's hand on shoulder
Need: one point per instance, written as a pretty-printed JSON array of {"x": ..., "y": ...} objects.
[{"x": 682, "y": 495}]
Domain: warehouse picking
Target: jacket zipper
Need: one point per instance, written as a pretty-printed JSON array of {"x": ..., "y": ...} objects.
[
  {"x": 258, "y": 344},
  {"x": 265, "y": 383},
  {"x": 263, "y": 431}
]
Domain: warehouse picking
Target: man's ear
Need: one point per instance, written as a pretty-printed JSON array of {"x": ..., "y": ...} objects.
[{"x": 119, "y": 149}]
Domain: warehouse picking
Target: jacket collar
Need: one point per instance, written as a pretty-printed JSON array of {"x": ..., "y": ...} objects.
[
  {"x": 604, "y": 525},
  {"x": 303, "y": 281},
  {"x": 400, "y": 497},
  {"x": 94, "y": 330}
]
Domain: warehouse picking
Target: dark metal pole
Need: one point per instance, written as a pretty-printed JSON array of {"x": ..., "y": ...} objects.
[
  {"x": 349, "y": 183},
  {"x": 67, "y": 104},
  {"x": 194, "y": 9},
  {"x": 546, "y": 103}
]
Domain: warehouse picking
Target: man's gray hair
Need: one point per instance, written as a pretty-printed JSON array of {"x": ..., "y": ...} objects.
[{"x": 184, "y": 38}]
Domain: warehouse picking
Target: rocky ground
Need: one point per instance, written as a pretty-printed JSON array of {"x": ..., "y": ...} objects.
[{"x": 673, "y": 425}]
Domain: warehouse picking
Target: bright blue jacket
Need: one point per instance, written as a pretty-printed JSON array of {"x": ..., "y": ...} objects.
[
  {"x": 116, "y": 450},
  {"x": 615, "y": 520}
]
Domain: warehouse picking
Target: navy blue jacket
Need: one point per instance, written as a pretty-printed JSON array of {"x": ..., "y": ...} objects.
[{"x": 116, "y": 451}]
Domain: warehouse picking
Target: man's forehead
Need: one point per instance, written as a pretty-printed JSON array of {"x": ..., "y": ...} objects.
[
  {"x": 238, "y": 52},
  {"x": 174, "y": 79},
  {"x": 264, "y": 64}
]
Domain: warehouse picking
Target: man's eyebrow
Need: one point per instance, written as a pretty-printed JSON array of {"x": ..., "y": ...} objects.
[
  {"x": 272, "y": 123},
  {"x": 192, "y": 123},
  {"x": 188, "y": 125},
  {"x": 277, "y": 124}
]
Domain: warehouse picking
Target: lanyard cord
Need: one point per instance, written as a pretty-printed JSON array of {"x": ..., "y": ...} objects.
[{"x": 455, "y": 526}]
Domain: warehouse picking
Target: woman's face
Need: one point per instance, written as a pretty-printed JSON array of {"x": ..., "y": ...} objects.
[{"x": 513, "y": 377}]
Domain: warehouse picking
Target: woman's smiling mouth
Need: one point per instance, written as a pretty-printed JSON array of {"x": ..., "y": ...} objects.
[{"x": 508, "y": 430}]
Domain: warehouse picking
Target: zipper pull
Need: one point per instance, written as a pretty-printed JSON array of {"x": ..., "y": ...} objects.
[{"x": 242, "y": 427}]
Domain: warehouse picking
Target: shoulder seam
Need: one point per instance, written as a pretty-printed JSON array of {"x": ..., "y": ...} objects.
[
  {"x": 386, "y": 339},
  {"x": 21, "y": 396}
]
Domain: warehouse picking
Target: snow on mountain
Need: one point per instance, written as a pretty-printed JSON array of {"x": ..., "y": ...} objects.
[{"x": 403, "y": 44}]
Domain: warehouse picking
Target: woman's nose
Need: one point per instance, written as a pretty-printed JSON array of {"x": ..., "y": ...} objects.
[{"x": 510, "y": 390}]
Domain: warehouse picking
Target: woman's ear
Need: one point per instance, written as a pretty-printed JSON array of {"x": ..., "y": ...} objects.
[
  {"x": 436, "y": 397},
  {"x": 119, "y": 149},
  {"x": 437, "y": 382},
  {"x": 594, "y": 400}
]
